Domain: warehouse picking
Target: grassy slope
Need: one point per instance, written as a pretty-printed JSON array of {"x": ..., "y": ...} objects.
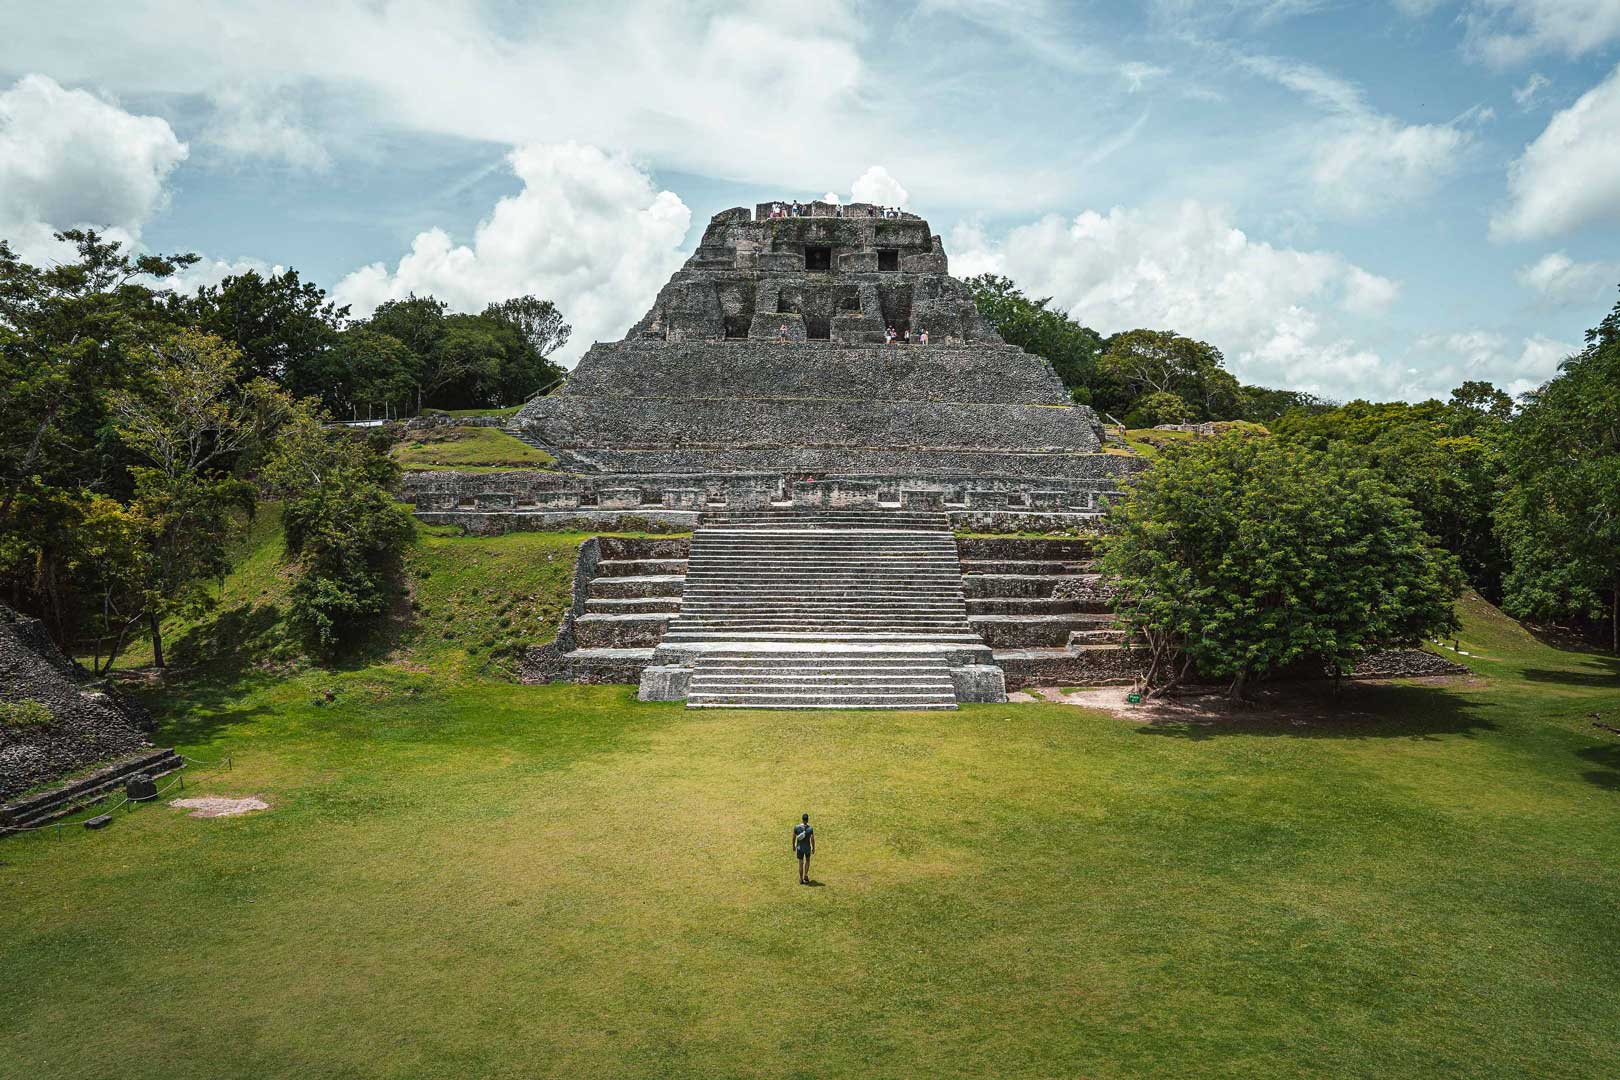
[
  {"x": 464, "y": 877},
  {"x": 474, "y": 449}
]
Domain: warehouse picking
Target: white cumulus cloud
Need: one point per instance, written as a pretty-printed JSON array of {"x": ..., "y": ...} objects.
[
  {"x": 1282, "y": 316},
  {"x": 588, "y": 232},
  {"x": 255, "y": 124},
  {"x": 1506, "y": 32},
  {"x": 1484, "y": 354},
  {"x": 1360, "y": 159},
  {"x": 1562, "y": 282},
  {"x": 1569, "y": 176},
  {"x": 875, "y": 185},
  {"x": 69, "y": 158}
]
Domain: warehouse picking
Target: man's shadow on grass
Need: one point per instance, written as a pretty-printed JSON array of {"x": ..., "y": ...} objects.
[{"x": 1315, "y": 710}]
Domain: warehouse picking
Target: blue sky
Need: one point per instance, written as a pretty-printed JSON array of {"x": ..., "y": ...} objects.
[{"x": 1361, "y": 199}]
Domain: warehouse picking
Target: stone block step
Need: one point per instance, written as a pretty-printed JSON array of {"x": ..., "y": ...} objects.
[
  {"x": 918, "y": 704},
  {"x": 1023, "y": 631},
  {"x": 676, "y": 634},
  {"x": 598, "y": 605},
  {"x": 45, "y": 806},
  {"x": 1045, "y": 568},
  {"x": 707, "y": 684},
  {"x": 1030, "y": 605},
  {"x": 626, "y": 587},
  {"x": 620, "y": 631},
  {"x": 982, "y": 586},
  {"x": 639, "y": 567}
]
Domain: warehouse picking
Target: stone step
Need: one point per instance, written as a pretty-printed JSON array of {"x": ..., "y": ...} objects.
[
  {"x": 1022, "y": 606},
  {"x": 620, "y": 631},
  {"x": 984, "y": 586},
  {"x": 48, "y": 805},
  {"x": 1016, "y": 631},
  {"x": 626, "y": 587},
  {"x": 855, "y": 683},
  {"x": 675, "y": 634},
  {"x": 639, "y": 567},
  {"x": 598, "y": 605},
  {"x": 1043, "y": 568},
  {"x": 814, "y": 702}
]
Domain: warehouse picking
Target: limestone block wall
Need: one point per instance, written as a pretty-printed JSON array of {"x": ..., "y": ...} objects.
[
  {"x": 765, "y": 370},
  {"x": 567, "y": 422}
]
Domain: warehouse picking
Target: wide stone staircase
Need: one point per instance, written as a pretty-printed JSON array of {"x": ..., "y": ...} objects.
[{"x": 826, "y": 609}]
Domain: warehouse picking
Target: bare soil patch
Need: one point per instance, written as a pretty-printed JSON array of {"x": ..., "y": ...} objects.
[{"x": 210, "y": 806}]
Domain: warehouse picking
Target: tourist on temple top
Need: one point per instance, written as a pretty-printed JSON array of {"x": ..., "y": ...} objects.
[
  {"x": 804, "y": 846},
  {"x": 905, "y": 338},
  {"x": 922, "y": 339},
  {"x": 889, "y": 336},
  {"x": 782, "y": 332}
]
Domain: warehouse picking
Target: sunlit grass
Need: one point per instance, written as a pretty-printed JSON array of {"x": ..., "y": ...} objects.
[{"x": 464, "y": 877}]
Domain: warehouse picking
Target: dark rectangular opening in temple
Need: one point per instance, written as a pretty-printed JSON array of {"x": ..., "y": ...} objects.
[
  {"x": 818, "y": 258},
  {"x": 889, "y": 260}
]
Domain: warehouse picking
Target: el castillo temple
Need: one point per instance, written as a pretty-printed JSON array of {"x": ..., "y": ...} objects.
[{"x": 832, "y": 482}]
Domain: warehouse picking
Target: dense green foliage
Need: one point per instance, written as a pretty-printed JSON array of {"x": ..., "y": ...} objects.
[
  {"x": 343, "y": 527},
  {"x": 1559, "y": 516},
  {"x": 1239, "y": 556},
  {"x": 1146, "y": 376},
  {"x": 1443, "y": 458},
  {"x": 134, "y": 420}
]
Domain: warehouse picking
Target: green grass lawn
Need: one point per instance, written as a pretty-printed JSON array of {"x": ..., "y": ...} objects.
[
  {"x": 470, "y": 449},
  {"x": 461, "y": 877}
]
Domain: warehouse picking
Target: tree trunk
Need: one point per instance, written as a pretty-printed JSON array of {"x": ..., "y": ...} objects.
[
  {"x": 157, "y": 638},
  {"x": 1614, "y": 617},
  {"x": 1235, "y": 692}
]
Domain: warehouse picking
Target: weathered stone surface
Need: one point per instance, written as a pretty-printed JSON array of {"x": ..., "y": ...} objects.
[
  {"x": 979, "y": 682},
  {"x": 86, "y": 725},
  {"x": 664, "y": 682},
  {"x": 703, "y": 384}
]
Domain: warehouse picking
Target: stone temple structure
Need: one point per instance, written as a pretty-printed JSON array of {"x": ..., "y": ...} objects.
[
  {"x": 764, "y": 358},
  {"x": 823, "y": 468}
]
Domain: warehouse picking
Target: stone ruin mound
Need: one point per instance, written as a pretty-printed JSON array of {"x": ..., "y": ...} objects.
[{"x": 86, "y": 725}]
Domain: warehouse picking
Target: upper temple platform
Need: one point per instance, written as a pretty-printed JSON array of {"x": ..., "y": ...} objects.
[{"x": 768, "y": 351}]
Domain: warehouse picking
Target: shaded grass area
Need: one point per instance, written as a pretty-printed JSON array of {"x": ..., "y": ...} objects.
[
  {"x": 462, "y": 877},
  {"x": 476, "y": 449}
]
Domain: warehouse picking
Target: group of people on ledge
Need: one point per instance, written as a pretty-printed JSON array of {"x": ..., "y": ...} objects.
[
  {"x": 798, "y": 209},
  {"x": 890, "y": 335}
]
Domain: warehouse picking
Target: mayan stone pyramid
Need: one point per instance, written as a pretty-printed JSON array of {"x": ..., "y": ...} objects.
[{"x": 765, "y": 354}]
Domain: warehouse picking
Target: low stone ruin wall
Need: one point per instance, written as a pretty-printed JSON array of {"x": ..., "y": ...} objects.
[
  {"x": 86, "y": 725},
  {"x": 530, "y": 500}
]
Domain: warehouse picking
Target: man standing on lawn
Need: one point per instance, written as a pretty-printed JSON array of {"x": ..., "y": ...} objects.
[{"x": 804, "y": 846}]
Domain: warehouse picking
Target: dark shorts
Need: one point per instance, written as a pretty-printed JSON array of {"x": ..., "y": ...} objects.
[{"x": 804, "y": 852}]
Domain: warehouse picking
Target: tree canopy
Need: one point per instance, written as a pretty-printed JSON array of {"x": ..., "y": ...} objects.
[
  {"x": 1559, "y": 516},
  {"x": 1238, "y": 556}
]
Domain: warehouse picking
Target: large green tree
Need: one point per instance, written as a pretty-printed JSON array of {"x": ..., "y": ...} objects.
[
  {"x": 1241, "y": 555},
  {"x": 1560, "y": 511},
  {"x": 344, "y": 529},
  {"x": 1443, "y": 458},
  {"x": 281, "y": 323},
  {"x": 1148, "y": 362},
  {"x": 71, "y": 335},
  {"x": 195, "y": 428}
]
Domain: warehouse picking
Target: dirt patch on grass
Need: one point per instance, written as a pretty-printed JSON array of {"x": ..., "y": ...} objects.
[
  {"x": 209, "y": 806},
  {"x": 1300, "y": 705}
]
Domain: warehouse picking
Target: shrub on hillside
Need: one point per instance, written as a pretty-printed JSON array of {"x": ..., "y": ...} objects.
[{"x": 1238, "y": 556}]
